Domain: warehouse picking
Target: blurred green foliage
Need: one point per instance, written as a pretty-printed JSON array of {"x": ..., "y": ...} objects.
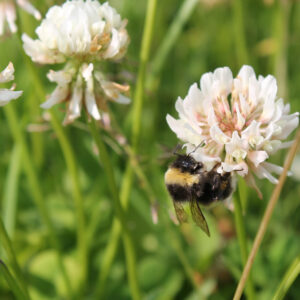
[{"x": 172, "y": 260}]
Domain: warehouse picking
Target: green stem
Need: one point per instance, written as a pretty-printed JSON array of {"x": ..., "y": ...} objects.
[
  {"x": 127, "y": 240},
  {"x": 242, "y": 239},
  {"x": 69, "y": 157},
  {"x": 239, "y": 32},
  {"x": 6, "y": 244},
  {"x": 140, "y": 87},
  {"x": 288, "y": 279},
  {"x": 12, "y": 282},
  {"x": 34, "y": 110},
  {"x": 32, "y": 176},
  {"x": 111, "y": 248},
  {"x": 10, "y": 193},
  {"x": 80, "y": 217}
]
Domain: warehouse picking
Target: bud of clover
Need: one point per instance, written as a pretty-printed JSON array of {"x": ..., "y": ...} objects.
[
  {"x": 6, "y": 95},
  {"x": 239, "y": 121},
  {"x": 82, "y": 34}
]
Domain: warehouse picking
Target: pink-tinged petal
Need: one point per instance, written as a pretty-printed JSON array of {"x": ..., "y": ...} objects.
[
  {"x": 288, "y": 125},
  {"x": 181, "y": 109},
  {"x": 257, "y": 157},
  {"x": 271, "y": 146},
  {"x": 252, "y": 134},
  {"x": 206, "y": 82},
  {"x": 240, "y": 119},
  {"x": 193, "y": 101},
  {"x": 225, "y": 80},
  {"x": 245, "y": 73},
  {"x": 245, "y": 108},
  {"x": 237, "y": 147},
  {"x": 218, "y": 135},
  {"x": 184, "y": 131},
  {"x": 279, "y": 108},
  {"x": 211, "y": 116},
  {"x": 268, "y": 93}
]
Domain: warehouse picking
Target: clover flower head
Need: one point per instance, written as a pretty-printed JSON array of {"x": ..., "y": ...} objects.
[
  {"x": 83, "y": 29},
  {"x": 239, "y": 121},
  {"x": 6, "y": 95},
  {"x": 82, "y": 34},
  {"x": 8, "y": 14}
]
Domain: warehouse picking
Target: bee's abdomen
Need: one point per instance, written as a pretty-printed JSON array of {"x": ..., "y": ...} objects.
[{"x": 178, "y": 192}]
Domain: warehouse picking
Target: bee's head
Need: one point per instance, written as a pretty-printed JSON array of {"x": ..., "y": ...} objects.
[{"x": 187, "y": 163}]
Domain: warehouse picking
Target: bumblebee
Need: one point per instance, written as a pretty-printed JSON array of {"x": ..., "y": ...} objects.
[{"x": 188, "y": 183}]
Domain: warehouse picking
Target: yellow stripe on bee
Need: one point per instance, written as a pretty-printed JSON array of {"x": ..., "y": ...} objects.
[{"x": 175, "y": 176}]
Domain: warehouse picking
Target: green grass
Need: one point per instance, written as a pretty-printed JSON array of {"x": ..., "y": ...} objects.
[{"x": 51, "y": 182}]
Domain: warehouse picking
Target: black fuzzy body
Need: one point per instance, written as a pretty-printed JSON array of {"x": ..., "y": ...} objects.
[{"x": 208, "y": 188}]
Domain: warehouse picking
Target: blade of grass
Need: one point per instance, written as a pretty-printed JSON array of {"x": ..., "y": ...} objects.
[
  {"x": 33, "y": 102},
  {"x": 10, "y": 253},
  {"x": 112, "y": 245},
  {"x": 288, "y": 279},
  {"x": 266, "y": 218},
  {"x": 281, "y": 18},
  {"x": 12, "y": 282},
  {"x": 35, "y": 189},
  {"x": 239, "y": 32},
  {"x": 10, "y": 193},
  {"x": 174, "y": 30},
  {"x": 127, "y": 239}
]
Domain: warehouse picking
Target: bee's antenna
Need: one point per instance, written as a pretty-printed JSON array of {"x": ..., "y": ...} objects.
[{"x": 198, "y": 146}]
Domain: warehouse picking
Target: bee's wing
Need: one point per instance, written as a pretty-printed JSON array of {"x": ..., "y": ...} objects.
[
  {"x": 180, "y": 212},
  {"x": 198, "y": 216}
]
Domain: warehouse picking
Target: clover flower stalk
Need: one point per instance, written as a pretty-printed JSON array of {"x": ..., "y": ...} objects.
[
  {"x": 81, "y": 34},
  {"x": 6, "y": 95},
  {"x": 8, "y": 14},
  {"x": 239, "y": 123}
]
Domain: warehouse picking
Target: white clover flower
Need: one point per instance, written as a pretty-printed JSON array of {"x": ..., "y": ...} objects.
[
  {"x": 81, "y": 33},
  {"x": 8, "y": 14},
  {"x": 239, "y": 120},
  {"x": 7, "y": 95}
]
